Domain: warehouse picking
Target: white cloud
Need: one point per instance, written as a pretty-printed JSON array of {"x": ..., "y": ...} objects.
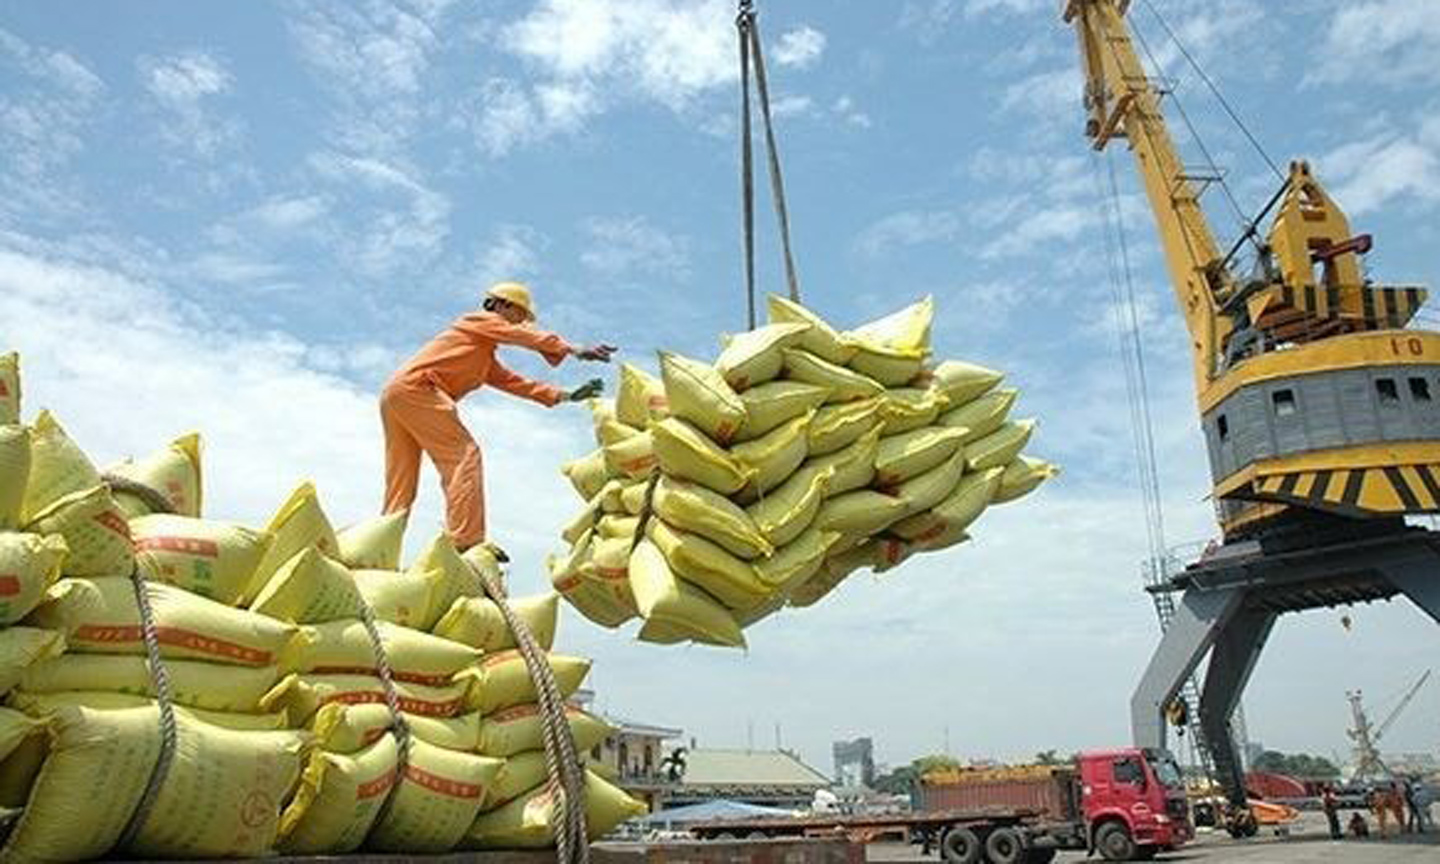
[
  {"x": 185, "y": 86},
  {"x": 510, "y": 115},
  {"x": 845, "y": 108},
  {"x": 512, "y": 252},
  {"x": 792, "y": 105},
  {"x": 1393, "y": 164},
  {"x": 628, "y": 246},
  {"x": 800, "y": 48},
  {"x": 1389, "y": 41},
  {"x": 402, "y": 223},
  {"x": 907, "y": 228},
  {"x": 1051, "y": 95},
  {"x": 1040, "y": 230}
]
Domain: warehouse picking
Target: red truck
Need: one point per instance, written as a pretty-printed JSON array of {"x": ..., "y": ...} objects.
[{"x": 1126, "y": 804}]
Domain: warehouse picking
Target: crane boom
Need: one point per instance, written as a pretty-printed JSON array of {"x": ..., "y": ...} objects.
[
  {"x": 1404, "y": 703},
  {"x": 1123, "y": 103}
]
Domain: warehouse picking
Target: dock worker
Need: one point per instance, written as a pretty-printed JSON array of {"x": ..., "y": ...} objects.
[{"x": 418, "y": 405}]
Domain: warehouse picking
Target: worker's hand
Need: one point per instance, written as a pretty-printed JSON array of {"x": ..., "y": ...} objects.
[
  {"x": 596, "y": 353},
  {"x": 593, "y": 387}
]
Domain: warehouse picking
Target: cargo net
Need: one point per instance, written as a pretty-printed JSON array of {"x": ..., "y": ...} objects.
[
  {"x": 723, "y": 492},
  {"x": 178, "y": 686}
]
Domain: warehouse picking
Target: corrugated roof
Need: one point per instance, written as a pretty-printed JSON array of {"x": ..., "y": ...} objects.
[{"x": 749, "y": 768}]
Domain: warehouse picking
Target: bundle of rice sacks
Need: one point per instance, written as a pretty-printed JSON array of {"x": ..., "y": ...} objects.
[
  {"x": 284, "y": 741},
  {"x": 722, "y": 492}
]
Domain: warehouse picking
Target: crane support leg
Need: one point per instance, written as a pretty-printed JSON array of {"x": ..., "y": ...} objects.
[
  {"x": 1199, "y": 618},
  {"x": 1418, "y": 577},
  {"x": 1232, "y": 659}
]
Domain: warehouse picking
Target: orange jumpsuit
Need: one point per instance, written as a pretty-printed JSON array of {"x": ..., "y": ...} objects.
[{"x": 418, "y": 410}]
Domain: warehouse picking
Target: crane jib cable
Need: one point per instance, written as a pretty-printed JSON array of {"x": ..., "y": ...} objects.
[{"x": 752, "y": 57}]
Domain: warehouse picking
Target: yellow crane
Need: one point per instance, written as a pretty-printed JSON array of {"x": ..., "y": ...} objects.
[{"x": 1319, "y": 403}]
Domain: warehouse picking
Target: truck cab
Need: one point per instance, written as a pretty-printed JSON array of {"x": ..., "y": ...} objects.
[{"x": 1133, "y": 803}]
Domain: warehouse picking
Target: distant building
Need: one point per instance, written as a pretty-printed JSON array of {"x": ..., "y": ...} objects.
[
  {"x": 634, "y": 754},
  {"x": 768, "y": 778},
  {"x": 854, "y": 763}
]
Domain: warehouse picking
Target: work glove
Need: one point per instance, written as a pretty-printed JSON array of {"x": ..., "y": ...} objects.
[
  {"x": 590, "y": 388},
  {"x": 596, "y": 353}
]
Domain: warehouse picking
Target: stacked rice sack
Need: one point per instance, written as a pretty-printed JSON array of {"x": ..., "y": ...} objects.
[
  {"x": 284, "y": 738},
  {"x": 723, "y": 492}
]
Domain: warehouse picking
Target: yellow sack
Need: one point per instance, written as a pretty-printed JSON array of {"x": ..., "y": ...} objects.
[
  {"x": 310, "y": 589},
  {"x": 220, "y": 798},
  {"x": 338, "y": 800},
  {"x": 373, "y": 544},
  {"x": 610, "y": 558},
  {"x": 20, "y": 647},
  {"x": 15, "y": 727},
  {"x": 520, "y": 774},
  {"x": 982, "y": 416},
  {"x": 302, "y": 695},
  {"x": 698, "y": 510},
  {"x": 632, "y": 498},
  {"x": 174, "y": 472},
  {"x": 886, "y": 366},
  {"x": 607, "y": 602},
  {"x": 732, "y": 581},
  {"x": 29, "y": 565},
  {"x": 212, "y": 559},
  {"x": 641, "y": 397},
  {"x": 344, "y": 648},
  {"x": 57, "y": 468},
  {"x": 633, "y": 457},
  {"x": 437, "y": 801},
  {"x": 601, "y": 410},
  {"x": 776, "y": 403},
  {"x": 44, "y": 704},
  {"x": 662, "y": 596},
  {"x": 910, "y": 454},
  {"x": 863, "y": 512},
  {"x": 851, "y": 467},
  {"x": 821, "y": 339},
  {"x": 999, "y": 447},
  {"x": 477, "y": 622},
  {"x": 194, "y": 684},
  {"x": 907, "y": 330},
  {"x": 698, "y": 393},
  {"x": 774, "y": 456},
  {"x": 502, "y": 679},
  {"x": 609, "y": 432},
  {"x": 298, "y": 523},
  {"x": 342, "y": 728},
  {"x": 612, "y": 496},
  {"x": 835, "y": 569},
  {"x": 400, "y": 597},
  {"x": 586, "y": 519},
  {"x": 457, "y": 574},
  {"x": 14, "y": 473},
  {"x": 951, "y": 536},
  {"x": 910, "y": 408},
  {"x": 9, "y": 388},
  {"x": 754, "y": 357},
  {"x": 614, "y": 526},
  {"x": 837, "y": 426},
  {"x": 526, "y": 822},
  {"x": 99, "y": 615},
  {"x": 843, "y": 384},
  {"x": 934, "y": 486},
  {"x": 961, "y": 382},
  {"x": 587, "y": 474},
  {"x": 790, "y": 509},
  {"x": 95, "y": 531},
  {"x": 686, "y": 452},
  {"x": 796, "y": 561},
  {"x": 1021, "y": 476},
  {"x": 516, "y": 729},
  {"x": 963, "y": 506}
]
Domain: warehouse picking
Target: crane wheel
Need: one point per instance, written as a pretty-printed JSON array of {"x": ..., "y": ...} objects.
[
  {"x": 961, "y": 846},
  {"x": 1005, "y": 846}
]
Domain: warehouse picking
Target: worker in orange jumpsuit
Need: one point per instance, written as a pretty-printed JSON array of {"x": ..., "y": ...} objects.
[{"x": 418, "y": 404}]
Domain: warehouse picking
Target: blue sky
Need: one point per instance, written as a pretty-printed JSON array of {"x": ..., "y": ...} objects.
[{"x": 240, "y": 217}]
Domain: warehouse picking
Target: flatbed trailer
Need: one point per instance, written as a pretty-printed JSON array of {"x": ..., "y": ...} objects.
[{"x": 1001, "y": 835}]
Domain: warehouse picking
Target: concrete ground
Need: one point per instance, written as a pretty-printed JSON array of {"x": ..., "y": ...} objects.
[{"x": 1307, "y": 842}]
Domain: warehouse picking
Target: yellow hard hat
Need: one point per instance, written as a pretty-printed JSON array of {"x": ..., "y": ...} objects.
[{"x": 513, "y": 293}]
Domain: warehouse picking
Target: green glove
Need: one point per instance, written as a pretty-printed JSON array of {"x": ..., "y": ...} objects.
[{"x": 590, "y": 388}]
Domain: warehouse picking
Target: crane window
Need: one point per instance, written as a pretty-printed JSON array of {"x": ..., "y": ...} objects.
[
  {"x": 1223, "y": 427},
  {"x": 1284, "y": 402},
  {"x": 1385, "y": 388},
  {"x": 1419, "y": 389}
]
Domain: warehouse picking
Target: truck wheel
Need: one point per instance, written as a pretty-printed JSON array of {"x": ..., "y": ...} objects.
[
  {"x": 961, "y": 846},
  {"x": 1005, "y": 846},
  {"x": 1114, "y": 842}
]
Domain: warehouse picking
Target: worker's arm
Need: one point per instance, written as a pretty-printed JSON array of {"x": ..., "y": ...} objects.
[
  {"x": 496, "y": 329},
  {"x": 516, "y": 384}
]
